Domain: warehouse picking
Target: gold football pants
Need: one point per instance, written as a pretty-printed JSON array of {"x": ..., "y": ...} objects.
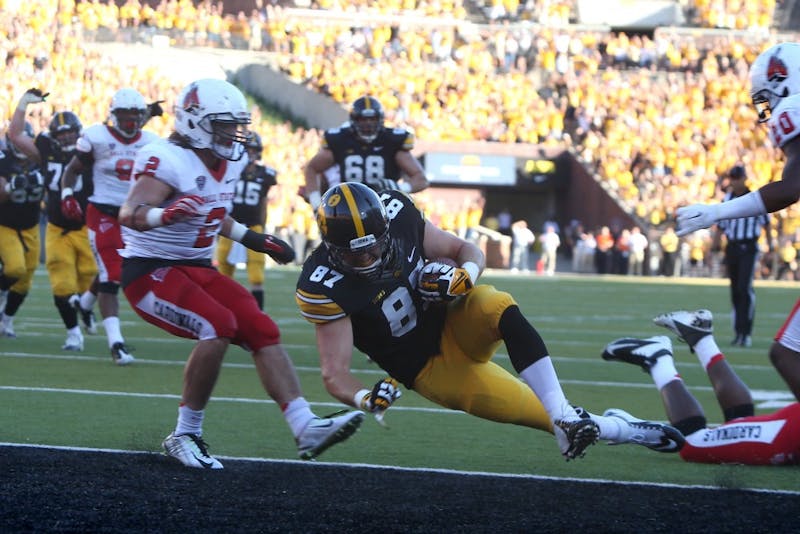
[
  {"x": 19, "y": 253},
  {"x": 463, "y": 378},
  {"x": 70, "y": 262},
  {"x": 256, "y": 261}
]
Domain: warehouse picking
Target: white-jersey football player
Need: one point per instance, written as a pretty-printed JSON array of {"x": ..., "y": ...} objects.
[
  {"x": 775, "y": 90},
  {"x": 108, "y": 149},
  {"x": 179, "y": 202}
]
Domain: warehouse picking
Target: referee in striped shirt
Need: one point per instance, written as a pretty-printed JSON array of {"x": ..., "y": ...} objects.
[{"x": 741, "y": 255}]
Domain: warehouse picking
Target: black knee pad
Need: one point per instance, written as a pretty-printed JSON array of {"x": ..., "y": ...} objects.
[{"x": 524, "y": 344}]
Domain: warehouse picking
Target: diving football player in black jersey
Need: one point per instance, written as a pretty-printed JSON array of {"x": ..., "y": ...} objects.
[{"x": 403, "y": 292}]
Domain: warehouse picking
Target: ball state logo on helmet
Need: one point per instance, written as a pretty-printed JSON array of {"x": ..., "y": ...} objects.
[
  {"x": 191, "y": 101},
  {"x": 776, "y": 69}
]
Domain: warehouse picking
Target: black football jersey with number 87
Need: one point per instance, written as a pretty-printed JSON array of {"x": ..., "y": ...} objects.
[{"x": 391, "y": 323}]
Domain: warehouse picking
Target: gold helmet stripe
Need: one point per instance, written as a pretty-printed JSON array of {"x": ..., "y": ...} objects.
[{"x": 354, "y": 212}]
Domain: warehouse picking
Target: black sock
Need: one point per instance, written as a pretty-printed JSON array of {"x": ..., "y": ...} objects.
[
  {"x": 14, "y": 302},
  {"x": 258, "y": 294},
  {"x": 67, "y": 312}
]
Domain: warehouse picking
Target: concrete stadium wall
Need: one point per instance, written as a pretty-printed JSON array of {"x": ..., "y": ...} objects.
[{"x": 297, "y": 101}]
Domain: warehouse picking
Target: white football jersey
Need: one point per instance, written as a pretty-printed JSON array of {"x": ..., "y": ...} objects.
[
  {"x": 113, "y": 161},
  {"x": 182, "y": 170},
  {"x": 784, "y": 120}
]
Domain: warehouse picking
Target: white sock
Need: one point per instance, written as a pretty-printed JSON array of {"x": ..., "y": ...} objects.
[
  {"x": 189, "y": 421},
  {"x": 663, "y": 371},
  {"x": 87, "y": 300},
  {"x": 707, "y": 351},
  {"x": 612, "y": 428},
  {"x": 113, "y": 332},
  {"x": 541, "y": 377},
  {"x": 75, "y": 330},
  {"x": 297, "y": 414}
]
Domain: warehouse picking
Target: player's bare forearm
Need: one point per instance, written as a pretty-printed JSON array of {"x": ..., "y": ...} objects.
[
  {"x": 71, "y": 172},
  {"x": 418, "y": 182},
  {"x": 335, "y": 345}
]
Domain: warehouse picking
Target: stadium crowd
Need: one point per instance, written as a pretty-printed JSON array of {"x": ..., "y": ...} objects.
[{"x": 659, "y": 120}]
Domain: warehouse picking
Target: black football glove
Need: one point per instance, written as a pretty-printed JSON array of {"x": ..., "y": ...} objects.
[
  {"x": 154, "y": 109},
  {"x": 32, "y": 96},
  {"x": 270, "y": 245}
]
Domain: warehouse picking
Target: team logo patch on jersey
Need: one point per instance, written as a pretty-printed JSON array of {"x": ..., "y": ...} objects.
[{"x": 201, "y": 182}]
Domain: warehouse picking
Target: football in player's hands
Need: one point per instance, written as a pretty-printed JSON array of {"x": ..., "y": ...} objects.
[{"x": 441, "y": 280}]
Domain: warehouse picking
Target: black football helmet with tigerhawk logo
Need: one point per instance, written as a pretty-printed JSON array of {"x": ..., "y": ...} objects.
[
  {"x": 366, "y": 118},
  {"x": 355, "y": 229}
]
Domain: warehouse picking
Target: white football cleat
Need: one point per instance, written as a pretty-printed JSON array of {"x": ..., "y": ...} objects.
[
  {"x": 190, "y": 450},
  {"x": 324, "y": 432}
]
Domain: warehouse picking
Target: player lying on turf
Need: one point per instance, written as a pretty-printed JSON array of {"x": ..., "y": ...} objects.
[{"x": 744, "y": 438}]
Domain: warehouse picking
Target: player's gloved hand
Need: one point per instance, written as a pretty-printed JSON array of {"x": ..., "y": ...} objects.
[
  {"x": 31, "y": 96},
  {"x": 181, "y": 209},
  {"x": 439, "y": 282},
  {"x": 275, "y": 248},
  {"x": 382, "y": 396},
  {"x": 154, "y": 109},
  {"x": 695, "y": 217},
  {"x": 70, "y": 207}
]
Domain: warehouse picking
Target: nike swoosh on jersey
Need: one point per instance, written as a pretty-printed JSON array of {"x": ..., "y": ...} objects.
[{"x": 411, "y": 256}]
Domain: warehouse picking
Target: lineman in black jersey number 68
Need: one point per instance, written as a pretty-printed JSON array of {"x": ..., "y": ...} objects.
[
  {"x": 432, "y": 328},
  {"x": 365, "y": 151}
]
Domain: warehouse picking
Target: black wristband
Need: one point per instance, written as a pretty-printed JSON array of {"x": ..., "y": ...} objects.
[{"x": 253, "y": 240}]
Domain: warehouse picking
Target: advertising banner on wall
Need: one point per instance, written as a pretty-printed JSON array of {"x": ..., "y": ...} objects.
[{"x": 452, "y": 168}]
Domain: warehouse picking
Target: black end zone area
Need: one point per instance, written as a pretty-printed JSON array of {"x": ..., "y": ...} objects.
[{"x": 45, "y": 490}]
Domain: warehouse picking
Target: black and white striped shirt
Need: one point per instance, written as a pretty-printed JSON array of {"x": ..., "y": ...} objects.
[{"x": 743, "y": 228}]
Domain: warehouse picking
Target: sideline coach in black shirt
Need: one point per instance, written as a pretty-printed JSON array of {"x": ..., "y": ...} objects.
[{"x": 741, "y": 254}]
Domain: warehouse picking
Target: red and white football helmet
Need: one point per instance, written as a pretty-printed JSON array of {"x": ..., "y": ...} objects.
[
  {"x": 212, "y": 114},
  {"x": 127, "y": 112},
  {"x": 775, "y": 74}
]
